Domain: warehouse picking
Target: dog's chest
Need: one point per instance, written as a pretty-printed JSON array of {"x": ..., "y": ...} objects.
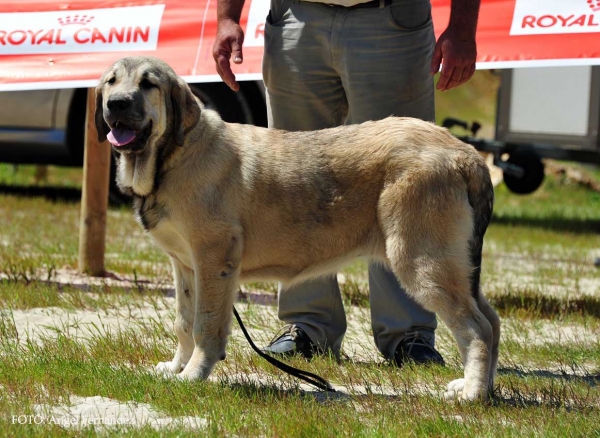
[
  {"x": 149, "y": 212},
  {"x": 167, "y": 237},
  {"x": 154, "y": 218}
]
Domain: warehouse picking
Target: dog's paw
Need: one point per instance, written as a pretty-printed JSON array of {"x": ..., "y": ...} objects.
[
  {"x": 168, "y": 368},
  {"x": 456, "y": 385},
  {"x": 459, "y": 390},
  {"x": 195, "y": 371},
  {"x": 454, "y": 390},
  {"x": 188, "y": 375}
]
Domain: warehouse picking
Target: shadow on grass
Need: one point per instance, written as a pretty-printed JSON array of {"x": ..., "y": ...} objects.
[
  {"x": 265, "y": 392},
  {"x": 508, "y": 395},
  {"x": 574, "y": 225},
  {"x": 545, "y": 306},
  {"x": 95, "y": 285},
  {"x": 69, "y": 195},
  {"x": 54, "y": 194},
  {"x": 552, "y": 396},
  {"x": 590, "y": 379},
  {"x": 116, "y": 284}
]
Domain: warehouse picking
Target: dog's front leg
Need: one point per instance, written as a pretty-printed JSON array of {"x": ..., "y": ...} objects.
[
  {"x": 184, "y": 318},
  {"x": 216, "y": 282}
]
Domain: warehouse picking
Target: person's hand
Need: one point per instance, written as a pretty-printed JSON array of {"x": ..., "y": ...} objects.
[
  {"x": 457, "y": 54},
  {"x": 228, "y": 43}
]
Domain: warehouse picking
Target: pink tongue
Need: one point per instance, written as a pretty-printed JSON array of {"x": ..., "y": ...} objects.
[{"x": 120, "y": 136}]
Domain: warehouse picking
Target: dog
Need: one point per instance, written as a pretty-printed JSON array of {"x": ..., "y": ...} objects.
[{"x": 231, "y": 203}]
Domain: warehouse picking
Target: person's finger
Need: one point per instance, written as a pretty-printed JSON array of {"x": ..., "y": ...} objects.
[
  {"x": 468, "y": 73},
  {"x": 222, "y": 63},
  {"x": 219, "y": 51},
  {"x": 224, "y": 70},
  {"x": 219, "y": 70},
  {"x": 436, "y": 60},
  {"x": 456, "y": 77},
  {"x": 445, "y": 77}
]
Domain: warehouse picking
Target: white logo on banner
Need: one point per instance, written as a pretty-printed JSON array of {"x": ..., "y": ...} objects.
[
  {"x": 133, "y": 28},
  {"x": 255, "y": 29},
  {"x": 535, "y": 17}
]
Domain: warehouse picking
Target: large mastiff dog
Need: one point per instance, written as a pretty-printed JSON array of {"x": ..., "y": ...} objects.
[{"x": 230, "y": 203}]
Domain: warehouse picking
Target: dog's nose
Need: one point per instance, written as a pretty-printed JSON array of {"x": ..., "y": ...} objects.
[{"x": 119, "y": 103}]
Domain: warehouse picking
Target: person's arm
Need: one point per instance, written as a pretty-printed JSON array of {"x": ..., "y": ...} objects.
[
  {"x": 456, "y": 48},
  {"x": 230, "y": 38}
]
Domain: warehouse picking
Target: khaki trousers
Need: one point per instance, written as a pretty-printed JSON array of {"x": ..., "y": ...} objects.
[{"x": 325, "y": 66}]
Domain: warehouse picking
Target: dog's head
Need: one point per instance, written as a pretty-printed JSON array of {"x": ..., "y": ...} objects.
[{"x": 141, "y": 100}]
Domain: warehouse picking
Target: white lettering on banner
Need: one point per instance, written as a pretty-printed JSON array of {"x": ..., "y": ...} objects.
[
  {"x": 254, "y": 36},
  {"x": 536, "y": 17},
  {"x": 132, "y": 28}
]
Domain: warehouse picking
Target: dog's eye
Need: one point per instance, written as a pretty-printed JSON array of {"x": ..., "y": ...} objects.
[
  {"x": 111, "y": 80},
  {"x": 147, "y": 84}
]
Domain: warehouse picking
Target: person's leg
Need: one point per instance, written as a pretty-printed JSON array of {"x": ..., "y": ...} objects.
[
  {"x": 304, "y": 93},
  {"x": 385, "y": 55}
]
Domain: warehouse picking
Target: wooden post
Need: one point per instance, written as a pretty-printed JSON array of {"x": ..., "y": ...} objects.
[{"x": 94, "y": 196}]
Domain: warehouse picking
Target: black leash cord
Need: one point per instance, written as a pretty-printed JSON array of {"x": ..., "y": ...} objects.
[{"x": 311, "y": 378}]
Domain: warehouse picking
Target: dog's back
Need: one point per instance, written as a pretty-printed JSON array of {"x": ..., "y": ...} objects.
[{"x": 325, "y": 195}]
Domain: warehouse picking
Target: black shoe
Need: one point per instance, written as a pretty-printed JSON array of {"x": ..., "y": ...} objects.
[
  {"x": 414, "y": 348},
  {"x": 597, "y": 262},
  {"x": 293, "y": 341}
]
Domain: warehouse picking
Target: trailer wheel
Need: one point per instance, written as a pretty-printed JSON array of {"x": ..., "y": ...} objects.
[{"x": 532, "y": 177}]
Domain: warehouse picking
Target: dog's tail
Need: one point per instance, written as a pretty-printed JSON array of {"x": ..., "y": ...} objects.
[{"x": 480, "y": 192}]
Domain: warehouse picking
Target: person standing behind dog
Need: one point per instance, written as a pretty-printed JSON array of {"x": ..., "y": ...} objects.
[{"x": 331, "y": 62}]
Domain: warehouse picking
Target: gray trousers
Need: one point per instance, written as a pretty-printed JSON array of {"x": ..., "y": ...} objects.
[{"x": 326, "y": 66}]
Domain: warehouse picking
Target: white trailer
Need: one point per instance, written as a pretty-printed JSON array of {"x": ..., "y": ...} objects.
[{"x": 543, "y": 112}]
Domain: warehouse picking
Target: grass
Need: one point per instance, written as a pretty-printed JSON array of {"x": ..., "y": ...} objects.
[
  {"x": 27, "y": 175},
  {"x": 526, "y": 403},
  {"x": 103, "y": 339}
]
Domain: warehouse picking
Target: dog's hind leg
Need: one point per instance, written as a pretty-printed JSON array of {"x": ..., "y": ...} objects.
[
  {"x": 427, "y": 246},
  {"x": 440, "y": 287},
  {"x": 494, "y": 321},
  {"x": 457, "y": 387},
  {"x": 184, "y": 318},
  {"x": 473, "y": 334}
]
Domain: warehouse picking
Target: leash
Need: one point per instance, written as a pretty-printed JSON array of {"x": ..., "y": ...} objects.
[{"x": 311, "y": 378}]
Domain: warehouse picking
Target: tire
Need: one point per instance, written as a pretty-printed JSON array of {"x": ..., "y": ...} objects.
[
  {"x": 75, "y": 135},
  {"x": 533, "y": 177},
  {"x": 232, "y": 107},
  {"x": 254, "y": 92}
]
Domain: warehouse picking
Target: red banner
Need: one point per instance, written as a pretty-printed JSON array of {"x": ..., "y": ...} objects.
[{"x": 58, "y": 45}]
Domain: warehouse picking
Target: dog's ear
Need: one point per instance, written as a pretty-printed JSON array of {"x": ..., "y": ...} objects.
[
  {"x": 101, "y": 127},
  {"x": 185, "y": 110}
]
